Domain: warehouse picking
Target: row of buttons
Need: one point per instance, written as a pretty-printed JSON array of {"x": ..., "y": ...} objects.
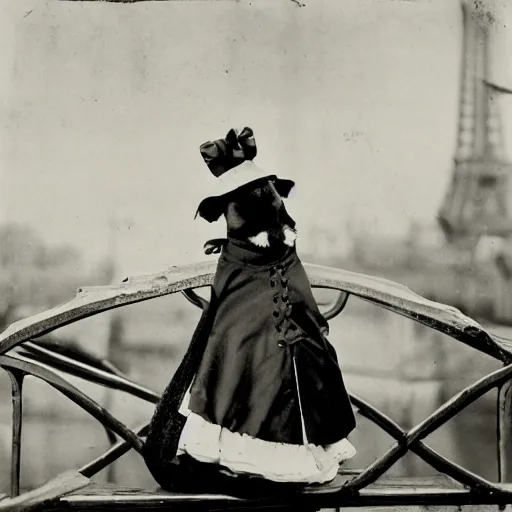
[{"x": 283, "y": 310}]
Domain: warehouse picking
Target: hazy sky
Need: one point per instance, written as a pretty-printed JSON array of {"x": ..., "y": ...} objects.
[{"x": 104, "y": 107}]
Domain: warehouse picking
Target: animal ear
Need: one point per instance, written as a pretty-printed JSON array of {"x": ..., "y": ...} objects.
[
  {"x": 211, "y": 208},
  {"x": 284, "y": 187}
]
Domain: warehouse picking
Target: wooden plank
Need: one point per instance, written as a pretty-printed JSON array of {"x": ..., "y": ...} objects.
[
  {"x": 389, "y": 493},
  {"x": 206, "y": 502},
  {"x": 111, "y": 497},
  {"x": 397, "y": 500}
]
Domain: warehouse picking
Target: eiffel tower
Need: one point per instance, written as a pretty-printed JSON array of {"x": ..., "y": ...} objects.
[{"x": 478, "y": 199}]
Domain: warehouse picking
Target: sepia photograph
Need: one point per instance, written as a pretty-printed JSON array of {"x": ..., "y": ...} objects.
[{"x": 256, "y": 255}]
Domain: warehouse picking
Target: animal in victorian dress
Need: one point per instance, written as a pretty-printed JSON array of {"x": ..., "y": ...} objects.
[
  {"x": 268, "y": 397},
  {"x": 259, "y": 391}
]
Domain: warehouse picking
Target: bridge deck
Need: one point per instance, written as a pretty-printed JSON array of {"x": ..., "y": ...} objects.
[{"x": 388, "y": 491}]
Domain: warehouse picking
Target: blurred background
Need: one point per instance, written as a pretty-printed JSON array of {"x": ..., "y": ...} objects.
[{"x": 394, "y": 119}]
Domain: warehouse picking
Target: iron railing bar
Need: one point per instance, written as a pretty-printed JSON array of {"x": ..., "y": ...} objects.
[
  {"x": 91, "y": 301},
  {"x": 338, "y": 306},
  {"x": 379, "y": 418},
  {"x": 93, "y": 374},
  {"x": 53, "y": 357},
  {"x": 428, "y": 454},
  {"x": 444, "y": 413},
  {"x": 359, "y": 403},
  {"x": 504, "y": 423},
  {"x": 453, "y": 470},
  {"x": 111, "y": 455},
  {"x": 16, "y": 377},
  {"x": 503, "y": 432},
  {"x": 72, "y": 351},
  {"x": 195, "y": 299},
  {"x": 90, "y": 373},
  {"x": 81, "y": 399},
  {"x": 459, "y": 402},
  {"x": 112, "y": 368},
  {"x": 488, "y": 346},
  {"x": 62, "y": 362},
  {"x": 392, "y": 428}
]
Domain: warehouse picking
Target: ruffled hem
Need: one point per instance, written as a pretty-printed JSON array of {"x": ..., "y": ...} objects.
[{"x": 278, "y": 462}]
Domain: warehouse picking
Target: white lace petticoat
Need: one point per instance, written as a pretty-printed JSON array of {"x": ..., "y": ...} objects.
[{"x": 241, "y": 453}]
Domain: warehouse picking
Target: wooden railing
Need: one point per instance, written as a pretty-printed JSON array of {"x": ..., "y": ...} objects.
[{"x": 21, "y": 356}]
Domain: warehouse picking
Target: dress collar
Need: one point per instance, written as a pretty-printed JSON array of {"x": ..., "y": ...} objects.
[{"x": 239, "y": 251}]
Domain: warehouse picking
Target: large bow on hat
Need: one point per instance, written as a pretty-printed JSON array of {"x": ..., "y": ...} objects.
[
  {"x": 221, "y": 155},
  {"x": 234, "y": 153}
]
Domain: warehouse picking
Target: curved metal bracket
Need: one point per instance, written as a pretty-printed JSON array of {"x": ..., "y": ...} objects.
[
  {"x": 195, "y": 299},
  {"x": 338, "y": 306}
]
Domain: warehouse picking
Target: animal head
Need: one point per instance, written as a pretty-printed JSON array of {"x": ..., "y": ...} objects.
[
  {"x": 250, "y": 199},
  {"x": 254, "y": 212}
]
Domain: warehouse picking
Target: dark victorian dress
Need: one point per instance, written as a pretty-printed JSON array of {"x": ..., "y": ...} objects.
[{"x": 260, "y": 391}]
